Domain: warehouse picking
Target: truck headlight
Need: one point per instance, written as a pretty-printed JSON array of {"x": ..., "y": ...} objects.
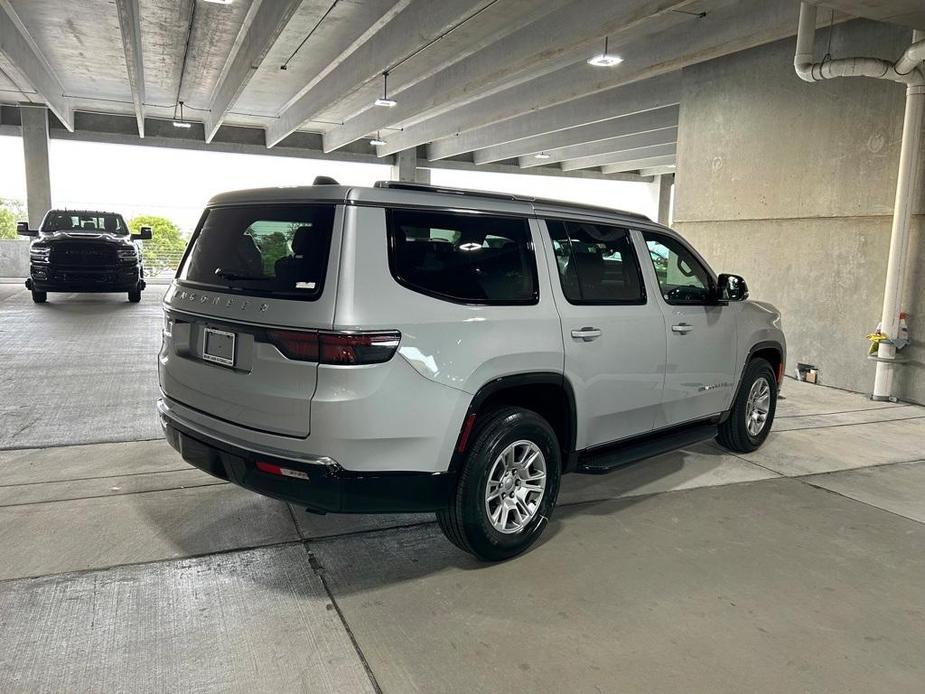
[
  {"x": 128, "y": 254},
  {"x": 39, "y": 254}
]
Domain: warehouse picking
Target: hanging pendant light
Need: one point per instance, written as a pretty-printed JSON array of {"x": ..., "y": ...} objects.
[
  {"x": 181, "y": 123},
  {"x": 605, "y": 59},
  {"x": 377, "y": 141},
  {"x": 384, "y": 100}
]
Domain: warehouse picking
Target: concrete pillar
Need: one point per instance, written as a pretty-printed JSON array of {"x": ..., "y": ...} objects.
[
  {"x": 405, "y": 167},
  {"x": 664, "y": 183},
  {"x": 35, "y": 147}
]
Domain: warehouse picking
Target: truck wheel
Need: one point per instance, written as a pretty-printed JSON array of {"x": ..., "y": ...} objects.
[
  {"x": 752, "y": 413},
  {"x": 134, "y": 296},
  {"x": 507, "y": 488},
  {"x": 39, "y": 297}
]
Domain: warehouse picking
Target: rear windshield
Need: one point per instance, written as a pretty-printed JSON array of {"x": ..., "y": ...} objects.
[
  {"x": 84, "y": 221},
  {"x": 280, "y": 250}
]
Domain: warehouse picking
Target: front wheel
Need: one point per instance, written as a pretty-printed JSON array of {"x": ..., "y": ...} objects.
[
  {"x": 39, "y": 297},
  {"x": 134, "y": 296},
  {"x": 507, "y": 487},
  {"x": 752, "y": 414}
]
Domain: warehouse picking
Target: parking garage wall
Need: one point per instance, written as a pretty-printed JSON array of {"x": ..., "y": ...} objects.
[
  {"x": 792, "y": 184},
  {"x": 14, "y": 258}
]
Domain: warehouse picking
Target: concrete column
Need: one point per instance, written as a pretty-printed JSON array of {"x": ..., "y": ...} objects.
[
  {"x": 35, "y": 147},
  {"x": 664, "y": 183},
  {"x": 405, "y": 167}
]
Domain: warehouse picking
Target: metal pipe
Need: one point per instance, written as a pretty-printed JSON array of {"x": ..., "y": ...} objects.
[
  {"x": 909, "y": 156},
  {"x": 907, "y": 70}
]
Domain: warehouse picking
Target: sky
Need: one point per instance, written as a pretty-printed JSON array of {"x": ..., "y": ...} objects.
[{"x": 177, "y": 183}]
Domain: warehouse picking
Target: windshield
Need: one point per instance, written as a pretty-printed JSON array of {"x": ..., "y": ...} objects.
[
  {"x": 263, "y": 250},
  {"x": 85, "y": 221}
]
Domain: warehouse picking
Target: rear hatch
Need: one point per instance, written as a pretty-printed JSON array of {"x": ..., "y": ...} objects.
[{"x": 251, "y": 270}]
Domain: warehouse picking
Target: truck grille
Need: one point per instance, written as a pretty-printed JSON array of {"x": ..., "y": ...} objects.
[{"x": 83, "y": 254}]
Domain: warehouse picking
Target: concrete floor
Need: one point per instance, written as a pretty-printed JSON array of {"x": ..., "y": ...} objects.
[{"x": 798, "y": 567}]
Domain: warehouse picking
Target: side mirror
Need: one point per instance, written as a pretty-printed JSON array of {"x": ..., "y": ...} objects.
[
  {"x": 22, "y": 228},
  {"x": 731, "y": 288},
  {"x": 144, "y": 234}
]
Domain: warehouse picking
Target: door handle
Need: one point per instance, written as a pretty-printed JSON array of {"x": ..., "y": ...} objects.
[
  {"x": 586, "y": 334},
  {"x": 682, "y": 328}
]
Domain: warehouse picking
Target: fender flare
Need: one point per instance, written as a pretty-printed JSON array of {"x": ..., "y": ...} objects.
[{"x": 502, "y": 383}]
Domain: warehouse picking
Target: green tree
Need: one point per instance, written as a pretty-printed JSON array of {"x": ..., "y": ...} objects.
[
  {"x": 164, "y": 249},
  {"x": 11, "y": 211}
]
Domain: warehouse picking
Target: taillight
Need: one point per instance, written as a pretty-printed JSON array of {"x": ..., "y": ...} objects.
[{"x": 336, "y": 348}]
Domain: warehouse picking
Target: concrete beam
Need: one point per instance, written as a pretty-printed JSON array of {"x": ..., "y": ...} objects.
[
  {"x": 457, "y": 165},
  {"x": 611, "y": 146},
  {"x": 604, "y": 106},
  {"x": 730, "y": 28},
  {"x": 658, "y": 170},
  {"x": 592, "y": 162},
  {"x": 550, "y": 142},
  {"x": 34, "y": 119},
  {"x": 121, "y": 129},
  {"x": 264, "y": 23},
  {"x": 637, "y": 164},
  {"x": 18, "y": 47},
  {"x": 394, "y": 37},
  {"x": 514, "y": 58},
  {"x": 130, "y": 26}
]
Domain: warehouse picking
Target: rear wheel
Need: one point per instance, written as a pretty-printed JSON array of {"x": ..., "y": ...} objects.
[
  {"x": 39, "y": 297},
  {"x": 134, "y": 296},
  {"x": 507, "y": 486},
  {"x": 749, "y": 422}
]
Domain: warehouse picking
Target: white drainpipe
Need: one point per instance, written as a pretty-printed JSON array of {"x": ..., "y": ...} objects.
[{"x": 907, "y": 70}]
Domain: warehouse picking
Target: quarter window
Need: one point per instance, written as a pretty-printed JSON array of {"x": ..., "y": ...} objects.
[
  {"x": 681, "y": 277},
  {"x": 597, "y": 264},
  {"x": 465, "y": 258}
]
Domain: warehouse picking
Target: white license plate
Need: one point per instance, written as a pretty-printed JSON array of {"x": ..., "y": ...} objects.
[{"x": 218, "y": 346}]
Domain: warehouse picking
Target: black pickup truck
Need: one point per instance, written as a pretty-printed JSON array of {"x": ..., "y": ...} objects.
[{"x": 84, "y": 251}]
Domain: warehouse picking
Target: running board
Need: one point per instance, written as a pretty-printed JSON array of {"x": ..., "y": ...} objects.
[{"x": 616, "y": 456}]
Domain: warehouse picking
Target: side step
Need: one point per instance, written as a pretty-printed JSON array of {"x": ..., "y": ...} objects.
[{"x": 608, "y": 459}]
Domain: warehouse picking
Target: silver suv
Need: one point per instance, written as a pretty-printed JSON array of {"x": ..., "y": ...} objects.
[{"x": 407, "y": 348}]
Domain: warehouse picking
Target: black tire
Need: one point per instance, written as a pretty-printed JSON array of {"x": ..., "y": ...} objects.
[
  {"x": 39, "y": 297},
  {"x": 465, "y": 520},
  {"x": 134, "y": 296},
  {"x": 733, "y": 433}
]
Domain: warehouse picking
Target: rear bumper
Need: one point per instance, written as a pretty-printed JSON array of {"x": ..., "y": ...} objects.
[{"x": 321, "y": 485}]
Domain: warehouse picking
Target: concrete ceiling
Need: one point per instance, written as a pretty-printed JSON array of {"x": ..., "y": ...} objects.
[{"x": 492, "y": 82}]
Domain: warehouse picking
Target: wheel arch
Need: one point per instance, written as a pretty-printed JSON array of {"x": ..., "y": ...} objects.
[{"x": 548, "y": 393}]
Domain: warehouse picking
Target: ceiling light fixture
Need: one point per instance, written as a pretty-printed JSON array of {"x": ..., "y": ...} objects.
[
  {"x": 542, "y": 155},
  {"x": 605, "y": 59},
  {"x": 219, "y": 2},
  {"x": 384, "y": 100},
  {"x": 377, "y": 141},
  {"x": 180, "y": 123}
]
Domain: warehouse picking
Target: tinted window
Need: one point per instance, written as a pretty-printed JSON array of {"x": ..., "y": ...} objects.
[
  {"x": 276, "y": 250},
  {"x": 681, "y": 277},
  {"x": 466, "y": 258},
  {"x": 597, "y": 264}
]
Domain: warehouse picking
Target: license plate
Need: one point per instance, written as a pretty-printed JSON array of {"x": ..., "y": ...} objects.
[{"x": 218, "y": 346}]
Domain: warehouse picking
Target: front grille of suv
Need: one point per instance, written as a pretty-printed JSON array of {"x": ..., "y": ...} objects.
[{"x": 83, "y": 254}]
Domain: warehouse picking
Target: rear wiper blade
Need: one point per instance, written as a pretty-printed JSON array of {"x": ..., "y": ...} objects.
[{"x": 233, "y": 276}]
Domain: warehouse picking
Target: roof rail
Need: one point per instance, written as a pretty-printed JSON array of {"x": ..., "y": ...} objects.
[{"x": 428, "y": 188}]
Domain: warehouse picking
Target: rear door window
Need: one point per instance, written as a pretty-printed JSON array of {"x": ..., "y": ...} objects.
[
  {"x": 464, "y": 258},
  {"x": 269, "y": 251},
  {"x": 596, "y": 262}
]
